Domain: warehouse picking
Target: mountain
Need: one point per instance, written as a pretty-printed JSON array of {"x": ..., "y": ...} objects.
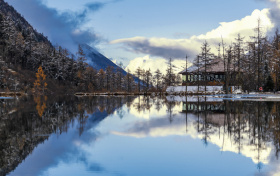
[
  {"x": 97, "y": 60},
  {"x": 24, "y": 51},
  {"x": 20, "y": 22}
]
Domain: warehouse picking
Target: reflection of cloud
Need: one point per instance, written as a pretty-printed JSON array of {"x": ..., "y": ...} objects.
[
  {"x": 178, "y": 48},
  {"x": 155, "y": 128},
  {"x": 275, "y": 169},
  {"x": 162, "y": 128},
  {"x": 79, "y": 168}
]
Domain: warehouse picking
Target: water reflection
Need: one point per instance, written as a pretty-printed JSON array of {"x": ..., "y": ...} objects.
[
  {"x": 244, "y": 127},
  {"x": 26, "y": 123},
  {"x": 78, "y": 136}
]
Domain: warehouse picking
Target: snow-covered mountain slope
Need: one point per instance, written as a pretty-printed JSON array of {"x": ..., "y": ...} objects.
[
  {"x": 96, "y": 59},
  {"x": 147, "y": 63}
]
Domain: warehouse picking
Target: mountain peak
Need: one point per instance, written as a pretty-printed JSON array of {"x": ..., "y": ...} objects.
[
  {"x": 88, "y": 49},
  {"x": 96, "y": 59}
]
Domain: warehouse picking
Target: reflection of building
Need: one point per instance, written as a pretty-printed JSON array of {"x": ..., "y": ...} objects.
[
  {"x": 229, "y": 124},
  {"x": 203, "y": 106},
  {"x": 214, "y": 111}
]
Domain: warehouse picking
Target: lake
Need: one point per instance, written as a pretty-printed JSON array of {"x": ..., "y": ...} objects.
[{"x": 137, "y": 135}]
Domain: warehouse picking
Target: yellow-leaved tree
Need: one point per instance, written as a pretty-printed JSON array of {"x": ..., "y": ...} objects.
[
  {"x": 41, "y": 104},
  {"x": 40, "y": 84}
]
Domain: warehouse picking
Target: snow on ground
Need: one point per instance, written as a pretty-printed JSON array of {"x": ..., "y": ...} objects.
[
  {"x": 221, "y": 97},
  {"x": 193, "y": 89},
  {"x": 193, "y": 98}
]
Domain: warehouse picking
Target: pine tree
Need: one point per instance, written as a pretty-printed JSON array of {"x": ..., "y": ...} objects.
[{"x": 269, "y": 85}]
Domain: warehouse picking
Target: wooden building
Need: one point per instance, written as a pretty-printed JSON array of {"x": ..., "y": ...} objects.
[{"x": 214, "y": 75}]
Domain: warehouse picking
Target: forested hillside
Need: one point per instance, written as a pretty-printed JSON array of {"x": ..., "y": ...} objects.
[{"x": 23, "y": 50}]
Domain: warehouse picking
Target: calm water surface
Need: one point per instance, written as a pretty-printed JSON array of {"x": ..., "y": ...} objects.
[{"x": 121, "y": 136}]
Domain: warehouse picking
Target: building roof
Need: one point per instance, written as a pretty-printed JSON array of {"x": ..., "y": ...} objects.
[{"x": 216, "y": 66}]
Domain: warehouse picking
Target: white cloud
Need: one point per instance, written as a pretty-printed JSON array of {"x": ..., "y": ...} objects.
[
  {"x": 153, "y": 64},
  {"x": 162, "y": 128},
  {"x": 178, "y": 48},
  {"x": 245, "y": 26}
]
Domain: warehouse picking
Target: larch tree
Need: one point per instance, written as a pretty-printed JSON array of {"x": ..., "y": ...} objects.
[
  {"x": 138, "y": 73},
  {"x": 101, "y": 79},
  {"x": 109, "y": 71},
  {"x": 258, "y": 54},
  {"x": 206, "y": 58},
  {"x": 40, "y": 84},
  {"x": 239, "y": 58},
  {"x": 228, "y": 67},
  {"x": 170, "y": 76},
  {"x": 157, "y": 79},
  {"x": 275, "y": 60},
  {"x": 197, "y": 63},
  {"x": 148, "y": 79}
]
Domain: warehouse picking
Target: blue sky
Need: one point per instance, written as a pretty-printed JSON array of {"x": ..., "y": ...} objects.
[
  {"x": 169, "y": 26},
  {"x": 157, "y": 18}
]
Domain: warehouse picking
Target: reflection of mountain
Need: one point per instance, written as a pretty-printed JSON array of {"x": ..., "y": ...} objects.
[{"x": 23, "y": 130}]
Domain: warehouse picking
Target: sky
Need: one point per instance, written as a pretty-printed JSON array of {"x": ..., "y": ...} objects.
[{"x": 129, "y": 31}]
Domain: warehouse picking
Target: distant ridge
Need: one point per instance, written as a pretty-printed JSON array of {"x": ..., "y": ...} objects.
[{"x": 97, "y": 60}]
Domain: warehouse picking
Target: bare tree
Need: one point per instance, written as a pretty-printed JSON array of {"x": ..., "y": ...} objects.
[
  {"x": 206, "y": 58},
  {"x": 170, "y": 77},
  {"x": 138, "y": 73},
  {"x": 157, "y": 78}
]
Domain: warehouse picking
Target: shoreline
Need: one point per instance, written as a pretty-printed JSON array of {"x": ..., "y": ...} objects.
[{"x": 11, "y": 94}]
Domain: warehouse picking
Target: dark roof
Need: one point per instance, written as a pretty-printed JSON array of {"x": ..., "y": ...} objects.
[{"x": 216, "y": 66}]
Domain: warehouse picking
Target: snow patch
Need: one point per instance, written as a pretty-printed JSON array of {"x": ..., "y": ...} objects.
[{"x": 194, "y": 89}]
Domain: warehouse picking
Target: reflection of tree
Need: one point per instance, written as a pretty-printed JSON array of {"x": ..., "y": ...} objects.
[
  {"x": 145, "y": 103},
  {"x": 170, "y": 105},
  {"x": 158, "y": 104},
  {"x": 253, "y": 124},
  {"x": 274, "y": 125},
  {"x": 24, "y": 124},
  {"x": 41, "y": 104},
  {"x": 120, "y": 113},
  {"x": 245, "y": 123},
  {"x": 206, "y": 127},
  {"x": 81, "y": 118}
]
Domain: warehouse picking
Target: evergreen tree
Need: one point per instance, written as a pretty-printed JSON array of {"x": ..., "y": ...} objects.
[{"x": 269, "y": 85}]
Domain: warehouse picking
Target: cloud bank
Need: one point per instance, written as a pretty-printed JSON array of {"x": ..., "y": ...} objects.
[
  {"x": 178, "y": 48},
  {"x": 274, "y": 12},
  {"x": 61, "y": 28},
  {"x": 153, "y": 64}
]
